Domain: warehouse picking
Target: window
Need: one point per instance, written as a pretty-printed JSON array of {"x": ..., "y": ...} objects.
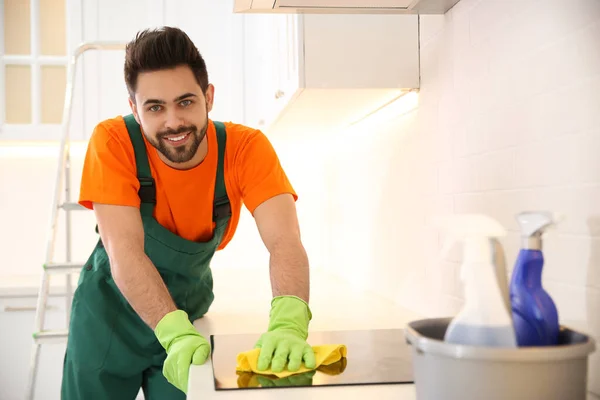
[{"x": 33, "y": 68}]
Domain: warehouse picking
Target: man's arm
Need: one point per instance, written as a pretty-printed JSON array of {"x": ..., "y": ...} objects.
[
  {"x": 277, "y": 224},
  {"x": 136, "y": 276}
]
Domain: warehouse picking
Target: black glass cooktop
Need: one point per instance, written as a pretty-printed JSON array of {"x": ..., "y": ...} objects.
[{"x": 379, "y": 356}]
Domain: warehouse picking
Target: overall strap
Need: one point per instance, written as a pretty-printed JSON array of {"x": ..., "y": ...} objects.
[
  {"x": 221, "y": 205},
  {"x": 147, "y": 191}
]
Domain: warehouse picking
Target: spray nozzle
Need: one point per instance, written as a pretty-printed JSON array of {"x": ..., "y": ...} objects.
[
  {"x": 534, "y": 224},
  {"x": 475, "y": 230}
]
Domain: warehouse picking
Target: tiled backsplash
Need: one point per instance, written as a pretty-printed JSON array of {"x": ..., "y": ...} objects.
[{"x": 509, "y": 119}]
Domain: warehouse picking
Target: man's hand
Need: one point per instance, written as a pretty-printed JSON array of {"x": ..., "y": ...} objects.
[
  {"x": 184, "y": 346},
  {"x": 281, "y": 347},
  {"x": 285, "y": 341}
]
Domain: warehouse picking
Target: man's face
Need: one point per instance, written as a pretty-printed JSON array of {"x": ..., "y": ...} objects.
[{"x": 173, "y": 113}]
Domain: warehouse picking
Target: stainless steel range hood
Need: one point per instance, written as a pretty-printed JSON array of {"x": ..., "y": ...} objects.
[{"x": 344, "y": 6}]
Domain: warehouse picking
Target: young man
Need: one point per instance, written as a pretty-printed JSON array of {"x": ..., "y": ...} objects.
[{"x": 166, "y": 184}]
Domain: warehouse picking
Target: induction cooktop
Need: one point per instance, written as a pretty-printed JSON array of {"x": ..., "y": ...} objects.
[{"x": 379, "y": 356}]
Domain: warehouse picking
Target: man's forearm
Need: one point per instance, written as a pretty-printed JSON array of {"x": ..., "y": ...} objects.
[
  {"x": 142, "y": 286},
  {"x": 289, "y": 270}
]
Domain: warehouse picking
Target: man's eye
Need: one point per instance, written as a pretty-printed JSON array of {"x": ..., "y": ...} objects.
[
  {"x": 154, "y": 108},
  {"x": 186, "y": 103}
]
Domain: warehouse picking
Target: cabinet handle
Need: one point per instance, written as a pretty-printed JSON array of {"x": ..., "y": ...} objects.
[{"x": 279, "y": 94}]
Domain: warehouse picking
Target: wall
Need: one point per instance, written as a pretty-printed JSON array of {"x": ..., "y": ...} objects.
[{"x": 508, "y": 121}]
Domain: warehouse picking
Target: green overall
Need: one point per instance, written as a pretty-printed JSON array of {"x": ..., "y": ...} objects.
[{"x": 111, "y": 353}]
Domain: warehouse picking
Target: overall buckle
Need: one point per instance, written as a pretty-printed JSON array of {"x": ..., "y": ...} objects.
[{"x": 147, "y": 190}]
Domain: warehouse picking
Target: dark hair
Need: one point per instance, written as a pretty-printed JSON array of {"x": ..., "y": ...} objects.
[{"x": 162, "y": 48}]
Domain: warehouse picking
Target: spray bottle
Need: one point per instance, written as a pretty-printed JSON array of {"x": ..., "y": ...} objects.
[
  {"x": 534, "y": 313},
  {"x": 485, "y": 319}
]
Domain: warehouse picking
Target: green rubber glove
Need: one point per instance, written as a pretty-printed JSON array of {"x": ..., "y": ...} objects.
[
  {"x": 285, "y": 341},
  {"x": 184, "y": 346}
]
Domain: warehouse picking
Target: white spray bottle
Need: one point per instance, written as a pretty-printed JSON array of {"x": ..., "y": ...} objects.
[{"x": 484, "y": 319}]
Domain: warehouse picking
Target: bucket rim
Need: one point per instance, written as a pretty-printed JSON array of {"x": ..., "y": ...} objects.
[{"x": 423, "y": 344}]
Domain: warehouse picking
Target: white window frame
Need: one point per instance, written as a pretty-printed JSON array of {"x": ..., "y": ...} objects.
[{"x": 36, "y": 130}]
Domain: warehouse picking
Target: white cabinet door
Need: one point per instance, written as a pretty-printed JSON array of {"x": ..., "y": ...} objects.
[
  {"x": 271, "y": 65},
  {"x": 260, "y": 73},
  {"x": 288, "y": 58},
  {"x": 324, "y": 71}
]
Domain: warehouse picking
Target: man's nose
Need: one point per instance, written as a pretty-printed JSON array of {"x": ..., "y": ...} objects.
[{"x": 174, "y": 120}]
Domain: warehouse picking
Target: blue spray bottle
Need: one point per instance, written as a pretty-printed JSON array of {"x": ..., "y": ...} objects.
[{"x": 535, "y": 316}]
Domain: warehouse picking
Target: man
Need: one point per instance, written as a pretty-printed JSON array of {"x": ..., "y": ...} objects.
[{"x": 166, "y": 184}]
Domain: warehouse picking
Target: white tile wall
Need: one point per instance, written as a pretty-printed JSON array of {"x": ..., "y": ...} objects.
[{"x": 508, "y": 120}]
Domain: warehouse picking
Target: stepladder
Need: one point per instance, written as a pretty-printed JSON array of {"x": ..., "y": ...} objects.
[{"x": 62, "y": 206}]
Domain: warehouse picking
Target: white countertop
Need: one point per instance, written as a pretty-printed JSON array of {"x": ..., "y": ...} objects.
[
  {"x": 242, "y": 303},
  {"x": 242, "y": 306}
]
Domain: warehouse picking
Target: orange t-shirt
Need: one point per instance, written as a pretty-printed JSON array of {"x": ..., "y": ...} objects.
[{"x": 184, "y": 198}]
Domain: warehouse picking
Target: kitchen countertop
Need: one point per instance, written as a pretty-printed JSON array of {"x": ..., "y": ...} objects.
[{"x": 242, "y": 306}]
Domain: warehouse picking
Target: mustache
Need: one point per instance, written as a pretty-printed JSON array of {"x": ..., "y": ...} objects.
[{"x": 183, "y": 129}]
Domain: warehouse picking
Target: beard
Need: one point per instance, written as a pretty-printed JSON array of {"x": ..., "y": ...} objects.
[{"x": 185, "y": 152}]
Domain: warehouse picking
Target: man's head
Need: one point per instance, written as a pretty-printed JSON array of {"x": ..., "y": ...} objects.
[{"x": 169, "y": 93}]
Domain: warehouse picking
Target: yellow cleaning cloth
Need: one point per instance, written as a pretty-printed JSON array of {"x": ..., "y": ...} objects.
[{"x": 324, "y": 355}]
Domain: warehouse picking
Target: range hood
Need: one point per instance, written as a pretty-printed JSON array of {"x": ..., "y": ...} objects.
[{"x": 345, "y": 6}]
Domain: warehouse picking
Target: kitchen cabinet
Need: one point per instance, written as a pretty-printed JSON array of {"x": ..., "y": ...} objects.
[
  {"x": 271, "y": 68},
  {"x": 305, "y": 73},
  {"x": 347, "y": 6},
  {"x": 289, "y": 58}
]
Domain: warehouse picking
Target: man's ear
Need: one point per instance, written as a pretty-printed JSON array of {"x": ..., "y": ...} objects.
[
  {"x": 210, "y": 97},
  {"x": 133, "y": 107}
]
